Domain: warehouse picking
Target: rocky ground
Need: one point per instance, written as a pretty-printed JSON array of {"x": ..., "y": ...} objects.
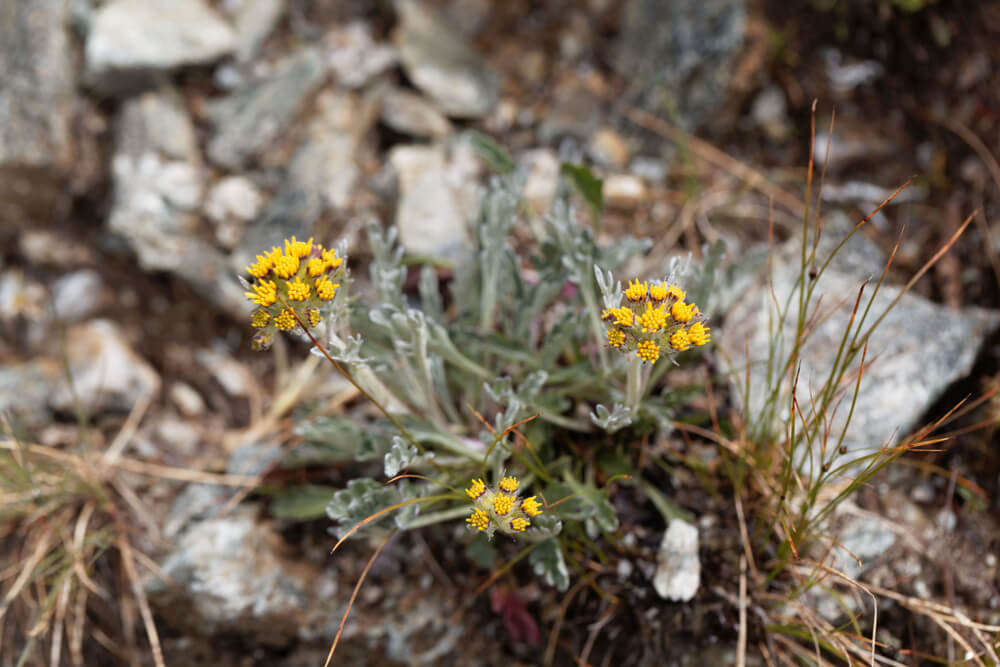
[{"x": 150, "y": 148}]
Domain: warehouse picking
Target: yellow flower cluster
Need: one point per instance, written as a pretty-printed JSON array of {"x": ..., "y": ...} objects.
[
  {"x": 290, "y": 286},
  {"x": 655, "y": 318},
  {"x": 501, "y": 509}
]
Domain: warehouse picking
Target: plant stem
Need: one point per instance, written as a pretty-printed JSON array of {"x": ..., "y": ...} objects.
[{"x": 634, "y": 385}]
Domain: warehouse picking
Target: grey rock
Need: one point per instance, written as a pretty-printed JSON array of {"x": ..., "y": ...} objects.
[
  {"x": 252, "y": 118},
  {"x": 107, "y": 374},
  {"x": 78, "y": 295},
  {"x": 575, "y": 112},
  {"x": 131, "y": 41},
  {"x": 770, "y": 112},
  {"x": 228, "y": 574},
  {"x": 412, "y": 114},
  {"x": 864, "y": 536},
  {"x": 608, "y": 148},
  {"x": 254, "y": 20},
  {"x": 25, "y": 387},
  {"x": 187, "y": 399},
  {"x": 440, "y": 63},
  {"x": 321, "y": 175},
  {"x": 158, "y": 187},
  {"x": 234, "y": 377},
  {"x": 354, "y": 57},
  {"x": 679, "y": 55},
  {"x": 917, "y": 351},
  {"x": 36, "y": 110},
  {"x": 624, "y": 191},
  {"x": 230, "y": 204},
  {"x": 430, "y": 214},
  {"x": 678, "y": 568},
  {"x": 542, "y": 180}
]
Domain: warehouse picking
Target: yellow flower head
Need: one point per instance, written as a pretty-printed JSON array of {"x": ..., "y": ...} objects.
[
  {"x": 616, "y": 337},
  {"x": 264, "y": 293},
  {"x": 653, "y": 319},
  {"x": 676, "y": 292},
  {"x": 531, "y": 506},
  {"x": 479, "y": 519},
  {"x": 657, "y": 292},
  {"x": 683, "y": 312},
  {"x": 503, "y": 504},
  {"x": 519, "y": 524},
  {"x": 314, "y": 316},
  {"x": 477, "y": 489},
  {"x": 316, "y": 267},
  {"x": 325, "y": 289},
  {"x": 285, "y": 320},
  {"x": 680, "y": 340},
  {"x": 259, "y": 319},
  {"x": 699, "y": 334},
  {"x": 298, "y": 290},
  {"x": 260, "y": 268},
  {"x": 624, "y": 317},
  {"x": 331, "y": 259},
  {"x": 298, "y": 249},
  {"x": 509, "y": 484},
  {"x": 636, "y": 291},
  {"x": 286, "y": 266},
  {"x": 647, "y": 350}
]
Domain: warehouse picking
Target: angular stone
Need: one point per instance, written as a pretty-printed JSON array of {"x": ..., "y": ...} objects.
[
  {"x": 158, "y": 186},
  {"x": 430, "y": 214},
  {"x": 78, "y": 295},
  {"x": 37, "y": 89},
  {"x": 228, "y": 574},
  {"x": 916, "y": 352},
  {"x": 251, "y": 119},
  {"x": 678, "y": 568},
  {"x": 107, "y": 374},
  {"x": 231, "y": 204},
  {"x": 679, "y": 54},
  {"x": 254, "y": 20},
  {"x": 355, "y": 57},
  {"x": 412, "y": 114},
  {"x": 131, "y": 41},
  {"x": 440, "y": 63}
]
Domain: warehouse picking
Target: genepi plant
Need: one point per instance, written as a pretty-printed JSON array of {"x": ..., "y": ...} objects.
[{"x": 539, "y": 341}]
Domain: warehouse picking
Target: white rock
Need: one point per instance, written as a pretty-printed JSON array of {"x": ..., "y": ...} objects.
[
  {"x": 133, "y": 37},
  {"x": 412, "y": 114},
  {"x": 429, "y": 214},
  {"x": 624, "y": 191},
  {"x": 355, "y": 57},
  {"x": 235, "y": 378},
  {"x": 609, "y": 148},
  {"x": 230, "y": 203},
  {"x": 187, "y": 399},
  {"x": 78, "y": 295},
  {"x": 254, "y": 20},
  {"x": 441, "y": 64},
  {"x": 678, "y": 569},
  {"x": 107, "y": 373},
  {"x": 542, "y": 180}
]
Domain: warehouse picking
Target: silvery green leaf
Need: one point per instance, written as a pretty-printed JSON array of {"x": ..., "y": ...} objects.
[
  {"x": 430, "y": 294},
  {"x": 610, "y": 288},
  {"x": 495, "y": 156},
  {"x": 301, "y": 503},
  {"x": 334, "y": 439},
  {"x": 360, "y": 500},
  {"x": 548, "y": 563},
  {"x": 613, "y": 421},
  {"x": 546, "y": 525},
  {"x": 399, "y": 457}
]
